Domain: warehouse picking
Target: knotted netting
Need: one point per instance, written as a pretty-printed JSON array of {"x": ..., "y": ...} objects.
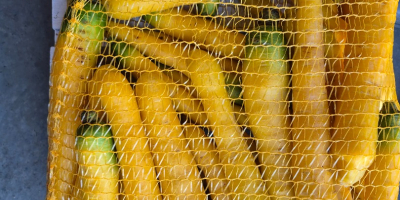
[{"x": 230, "y": 99}]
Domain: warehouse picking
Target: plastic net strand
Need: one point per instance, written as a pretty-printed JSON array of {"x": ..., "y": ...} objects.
[{"x": 224, "y": 100}]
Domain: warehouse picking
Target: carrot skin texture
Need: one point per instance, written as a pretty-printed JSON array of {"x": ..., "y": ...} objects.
[
  {"x": 381, "y": 181},
  {"x": 118, "y": 100},
  {"x": 208, "y": 34},
  {"x": 207, "y": 159},
  {"x": 209, "y": 81},
  {"x": 311, "y": 120},
  {"x": 127, "y": 9},
  {"x": 74, "y": 58},
  {"x": 98, "y": 171},
  {"x": 356, "y": 122},
  {"x": 265, "y": 84},
  {"x": 183, "y": 101},
  {"x": 177, "y": 170}
]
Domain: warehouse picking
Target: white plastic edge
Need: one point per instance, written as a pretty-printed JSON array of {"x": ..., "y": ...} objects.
[{"x": 57, "y": 13}]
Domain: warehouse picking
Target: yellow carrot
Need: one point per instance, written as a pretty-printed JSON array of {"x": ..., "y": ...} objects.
[
  {"x": 171, "y": 54},
  {"x": 311, "y": 122},
  {"x": 381, "y": 180},
  {"x": 357, "y": 108},
  {"x": 335, "y": 38},
  {"x": 179, "y": 78},
  {"x": 207, "y": 159},
  {"x": 98, "y": 171},
  {"x": 136, "y": 63},
  {"x": 342, "y": 192},
  {"x": 207, "y": 34},
  {"x": 177, "y": 170},
  {"x": 127, "y": 9},
  {"x": 149, "y": 45},
  {"x": 119, "y": 101},
  {"x": 265, "y": 85},
  {"x": 74, "y": 58},
  {"x": 198, "y": 116},
  {"x": 208, "y": 79}
]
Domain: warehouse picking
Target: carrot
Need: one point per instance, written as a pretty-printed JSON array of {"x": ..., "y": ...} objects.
[
  {"x": 381, "y": 181},
  {"x": 265, "y": 83},
  {"x": 335, "y": 38},
  {"x": 207, "y": 159},
  {"x": 127, "y": 9},
  {"x": 207, "y": 34},
  {"x": 311, "y": 120},
  {"x": 206, "y": 75},
  {"x": 98, "y": 170},
  {"x": 389, "y": 91},
  {"x": 74, "y": 58},
  {"x": 169, "y": 53},
  {"x": 334, "y": 43},
  {"x": 356, "y": 119},
  {"x": 342, "y": 192},
  {"x": 119, "y": 101},
  {"x": 178, "y": 78},
  {"x": 177, "y": 170},
  {"x": 232, "y": 81},
  {"x": 136, "y": 63},
  {"x": 153, "y": 47},
  {"x": 233, "y": 88}
]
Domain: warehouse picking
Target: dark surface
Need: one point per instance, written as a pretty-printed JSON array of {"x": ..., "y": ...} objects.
[
  {"x": 396, "y": 56},
  {"x": 25, "y": 40}
]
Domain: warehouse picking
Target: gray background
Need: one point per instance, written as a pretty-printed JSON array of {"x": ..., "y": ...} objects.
[{"x": 25, "y": 39}]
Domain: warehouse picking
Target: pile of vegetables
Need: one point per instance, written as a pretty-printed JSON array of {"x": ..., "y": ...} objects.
[{"x": 183, "y": 106}]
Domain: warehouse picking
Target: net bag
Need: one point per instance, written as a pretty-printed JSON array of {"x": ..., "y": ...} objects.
[{"x": 224, "y": 100}]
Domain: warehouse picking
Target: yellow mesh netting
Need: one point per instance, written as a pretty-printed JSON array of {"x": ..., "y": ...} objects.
[{"x": 230, "y": 99}]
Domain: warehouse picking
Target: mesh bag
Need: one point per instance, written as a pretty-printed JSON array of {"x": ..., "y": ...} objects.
[{"x": 230, "y": 99}]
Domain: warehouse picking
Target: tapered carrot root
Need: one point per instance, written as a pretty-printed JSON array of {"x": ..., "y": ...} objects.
[
  {"x": 265, "y": 85},
  {"x": 311, "y": 122},
  {"x": 356, "y": 119},
  {"x": 134, "y": 156},
  {"x": 176, "y": 167},
  {"x": 207, "y": 158}
]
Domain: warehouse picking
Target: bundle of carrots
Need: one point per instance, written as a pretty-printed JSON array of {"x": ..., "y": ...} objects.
[{"x": 297, "y": 103}]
